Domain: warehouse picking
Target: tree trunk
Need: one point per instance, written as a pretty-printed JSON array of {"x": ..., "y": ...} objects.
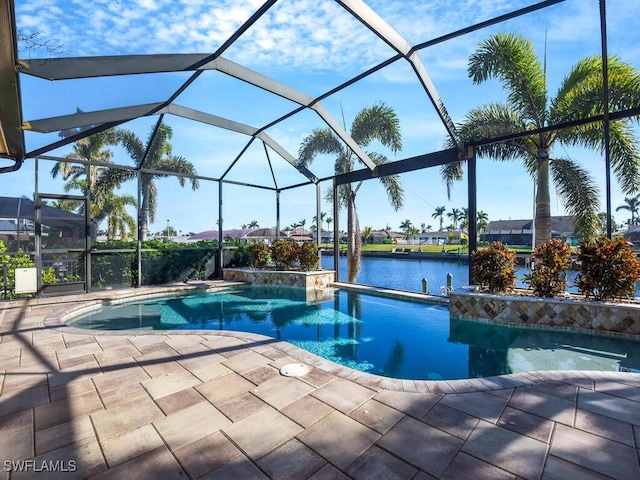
[
  {"x": 144, "y": 214},
  {"x": 354, "y": 242},
  {"x": 144, "y": 225},
  {"x": 543, "y": 199}
]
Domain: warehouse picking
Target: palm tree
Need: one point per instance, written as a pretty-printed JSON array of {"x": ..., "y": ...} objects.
[
  {"x": 253, "y": 224},
  {"x": 367, "y": 234},
  {"x": 632, "y": 204},
  {"x": 103, "y": 204},
  {"x": 322, "y": 217},
  {"x": 439, "y": 213},
  {"x": 455, "y": 215},
  {"x": 511, "y": 59},
  {"x": 372, "y": 123},
  {"x": 464, "y": 216},
  {"x": 155, "y": 155},
  {"x": 482, "y": 220},
  {"x": 405, "y": 226},
  {"x": 329, "y": 220},
  {"x": 119, "y": 223},
  {"x": 87, "y": 149}
]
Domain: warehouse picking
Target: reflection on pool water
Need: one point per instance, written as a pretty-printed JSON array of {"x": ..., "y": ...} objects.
[{"x": 384, "y": 336}]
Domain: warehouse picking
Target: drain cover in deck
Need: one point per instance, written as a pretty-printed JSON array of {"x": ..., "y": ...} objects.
[{"x": 294, "y": 370}]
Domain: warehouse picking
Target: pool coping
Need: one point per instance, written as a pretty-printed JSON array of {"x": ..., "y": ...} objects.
[{"x": 55, "y": 320}]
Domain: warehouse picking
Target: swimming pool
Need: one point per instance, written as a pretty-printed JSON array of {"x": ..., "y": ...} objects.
[{"x": 375, "y": 334}]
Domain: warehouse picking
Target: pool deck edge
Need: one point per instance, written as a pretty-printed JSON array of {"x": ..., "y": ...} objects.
[
  {"x": 214, "y": 404},
  {"x": 72, "y": 305}
]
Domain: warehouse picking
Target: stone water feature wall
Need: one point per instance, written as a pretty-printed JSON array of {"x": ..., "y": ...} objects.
[
  {"x": 549, "y": 312},
  {"x": 315, "y": 279}
]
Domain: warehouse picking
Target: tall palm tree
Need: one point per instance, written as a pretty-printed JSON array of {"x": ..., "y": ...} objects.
[
  {"x": 455, "y": 215},
  {"x": 439, "y": 214},
  {"x": 84, "y": 177},
  {"x": 155, "y": 155},
  {"x": 323, "y": 215},
  {"x": 632, "y": 204},
  {"x": 119, "y": 223},
  {"x": 482, "y": 220},
  {"x": 253, "y": 224},
  {"x": 380, "y": 123},
  {"x": 87, "y": 149},
  {"x": 405, "y": 226},
  {"x": 511, "y": 59},
  {"x": 464, "y": 216}
]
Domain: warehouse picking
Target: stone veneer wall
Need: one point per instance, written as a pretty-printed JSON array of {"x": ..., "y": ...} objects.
[
  {"x": 551, "y": 312},
  {"x": 309, "y": 280}
]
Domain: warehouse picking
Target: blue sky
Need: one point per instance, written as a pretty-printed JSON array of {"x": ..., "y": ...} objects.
[{"x": 312, "y": 46}]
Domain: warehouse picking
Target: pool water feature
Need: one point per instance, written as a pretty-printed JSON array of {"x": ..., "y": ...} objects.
[{"x": 379, "y": 335}]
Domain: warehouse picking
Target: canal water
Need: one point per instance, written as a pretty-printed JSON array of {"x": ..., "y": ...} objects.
[{"x": 406, "y": 274}]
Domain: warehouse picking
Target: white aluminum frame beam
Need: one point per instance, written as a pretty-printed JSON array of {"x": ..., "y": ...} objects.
[
  {"x": 99, "y": 117},
  {"x": 391, "y": 37},
  {"x": 90, "y": 67},
  {"x": 226, "y": 124},
  {"x": 87, "y": 119}
]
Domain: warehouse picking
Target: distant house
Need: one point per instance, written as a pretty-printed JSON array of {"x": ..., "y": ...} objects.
[
  {"x": 432, "y": 238},
  {"x": 325, "y": 236},
  {"x": 383, "y": 236},
  {"x": 244, "y": 235},
  {"x": 632, "y": 234},
  {"x": 299, "y": 234},
  {"x": 520, "y": 232}
]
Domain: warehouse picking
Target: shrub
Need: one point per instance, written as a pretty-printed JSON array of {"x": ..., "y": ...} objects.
[
  {"x": 284, "y": 254},
  {"x": 607, "y": 269},
  {"x": 258, "y": 255},
  {"x": 308, "y": 260},
  {"x": 493, "y": 268},
  {"x": 550, "y": 260},
  {"x": 240, "y": 256}
]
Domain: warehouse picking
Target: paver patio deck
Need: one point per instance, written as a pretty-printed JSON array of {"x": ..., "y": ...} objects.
[{"x": 213, "y": 405}]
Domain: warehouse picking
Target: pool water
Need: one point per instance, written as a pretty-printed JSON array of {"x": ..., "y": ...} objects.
[{"x": 384, "y": 336}]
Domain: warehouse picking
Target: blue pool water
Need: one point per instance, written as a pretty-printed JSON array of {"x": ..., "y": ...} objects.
[{"x": 379, "y": 335}]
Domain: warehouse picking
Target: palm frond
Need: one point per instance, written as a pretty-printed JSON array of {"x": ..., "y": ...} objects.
[
  {"x": 496, "y": 120},
  {"x": 158, "y": 145},
  {"x": 132, "y": 144},
  {"x": 111, "y": 178},
  {"x": 624, "y": 150},
  {"x": 391, "y": 183},
  {"x": 321, "y": 141},
  {"x": 579, "y": 195},
  {"x": 512, "y": 60},
  {"x": 178, "y": 165},
  {"x": 451, "y": 173},
  {"x": 581, "y": 92},
  {"x": 378, "y": 122}
]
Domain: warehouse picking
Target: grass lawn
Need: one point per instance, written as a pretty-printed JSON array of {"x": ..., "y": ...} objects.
[{"x": 379, "y": 247}]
